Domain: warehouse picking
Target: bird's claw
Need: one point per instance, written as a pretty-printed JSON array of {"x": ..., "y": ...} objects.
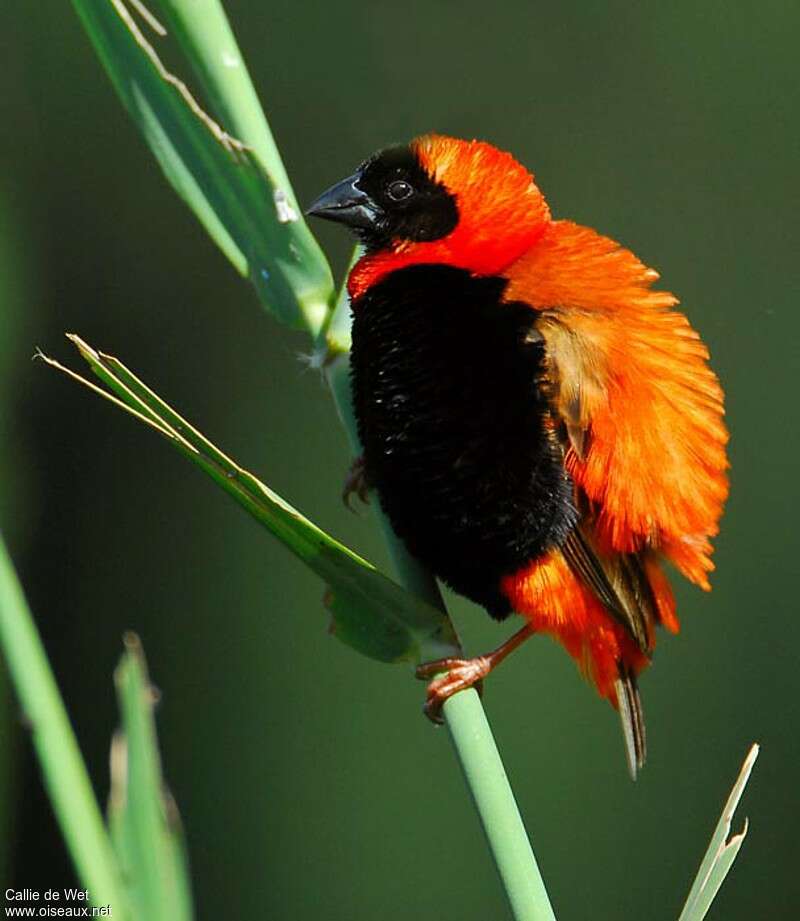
[
  {"x": 356, "y": 482},
  {"x": 459, "y": 674}
]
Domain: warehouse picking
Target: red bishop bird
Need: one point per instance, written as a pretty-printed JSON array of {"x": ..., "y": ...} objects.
[{"x": 541, "y": 427}]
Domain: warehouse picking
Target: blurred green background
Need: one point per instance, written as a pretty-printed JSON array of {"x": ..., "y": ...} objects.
[{"x": 308, "y": 781}]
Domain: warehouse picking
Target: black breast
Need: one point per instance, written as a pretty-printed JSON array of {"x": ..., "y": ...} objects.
[{"x": 445, "y": 384}]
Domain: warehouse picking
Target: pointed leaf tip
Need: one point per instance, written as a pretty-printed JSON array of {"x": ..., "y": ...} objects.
[{"x": 722, "y": 849}]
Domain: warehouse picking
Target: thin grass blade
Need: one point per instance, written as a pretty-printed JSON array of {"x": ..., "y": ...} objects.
[
  {"x": 721, "y": 852},
  {"x": 64, "y": 772},
  {"x": 370, "y": 612},
  {"x": 143, "y": 818}
]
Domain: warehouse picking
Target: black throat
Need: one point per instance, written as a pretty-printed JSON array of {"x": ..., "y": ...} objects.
[{"x": 453, "y": 423}]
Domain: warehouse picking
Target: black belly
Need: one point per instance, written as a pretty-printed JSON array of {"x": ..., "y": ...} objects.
[{"x": 452, "y": 420}]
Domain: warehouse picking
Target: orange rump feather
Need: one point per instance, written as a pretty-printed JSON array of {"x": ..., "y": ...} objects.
[
  {"x": 555, "y": 602},
  {"x": 629, "y": 376}
]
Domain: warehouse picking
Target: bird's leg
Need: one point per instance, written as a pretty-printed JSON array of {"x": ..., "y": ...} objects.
[
  {"x": 463, "y": 673},
  {"x": 356, "y": 481}
]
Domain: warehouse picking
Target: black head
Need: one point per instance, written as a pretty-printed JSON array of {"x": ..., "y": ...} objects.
[{"x": 390, "y": 198}]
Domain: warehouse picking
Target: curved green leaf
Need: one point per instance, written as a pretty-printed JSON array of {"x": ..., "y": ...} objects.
[
  {"x": 370, "y": 612},
  {"x": 238, "y": 188}
]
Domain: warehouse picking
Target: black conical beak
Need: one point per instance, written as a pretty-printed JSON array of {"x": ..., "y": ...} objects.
[{"x": 345, "y": 203}]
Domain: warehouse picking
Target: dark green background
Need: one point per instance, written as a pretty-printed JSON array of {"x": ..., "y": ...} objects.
[{"x": 309, "y": 783}]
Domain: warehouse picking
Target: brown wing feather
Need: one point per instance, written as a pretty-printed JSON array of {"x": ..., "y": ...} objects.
[
  {"x": 632, "y": 717},
  {"x": 619, "y": 582}
]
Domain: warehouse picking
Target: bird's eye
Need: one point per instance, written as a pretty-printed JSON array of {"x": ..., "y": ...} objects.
[{"x": 399, "y": 190}]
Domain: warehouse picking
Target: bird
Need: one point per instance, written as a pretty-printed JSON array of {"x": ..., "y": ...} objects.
[{"x": 540, "y": 424}]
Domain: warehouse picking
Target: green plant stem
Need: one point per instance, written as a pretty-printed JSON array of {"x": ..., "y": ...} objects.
[
  {"x": 465, "y": 719},
  {"x": 494, "y": 799},
  {"x": 65, "y": 776}
]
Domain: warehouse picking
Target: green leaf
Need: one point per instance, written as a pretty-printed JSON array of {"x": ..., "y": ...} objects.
[
  {"x": 64, "y": 772},
  {"x": 237, "y": 187},
  {"x": 370, "y": 612},
  {"x": 144, "y": 822},
  {"x": 721, "y": 852}
]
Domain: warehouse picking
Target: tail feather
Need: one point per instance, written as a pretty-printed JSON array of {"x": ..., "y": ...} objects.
[{"x": 631, "y": 716}]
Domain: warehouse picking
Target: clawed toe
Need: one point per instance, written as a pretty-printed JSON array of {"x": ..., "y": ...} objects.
[
  {"x": 356, "y": 483},
  {"x": 459, "y": 674},
  {"x": 452, "y": 675},
  {"x": 429, "y": 670}
]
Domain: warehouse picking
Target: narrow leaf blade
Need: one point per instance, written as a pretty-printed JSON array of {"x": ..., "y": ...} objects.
[
  {"x": 65, "y": 775},
  {"x": 239, "y": 193},
  {"x": 142, "y": 814},
  {"x": 721, "y": 851},
  {"x": 371, "y": 613}
]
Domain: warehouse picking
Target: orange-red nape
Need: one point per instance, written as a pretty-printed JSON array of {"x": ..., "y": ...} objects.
[{"x": 501, "y": 213}]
